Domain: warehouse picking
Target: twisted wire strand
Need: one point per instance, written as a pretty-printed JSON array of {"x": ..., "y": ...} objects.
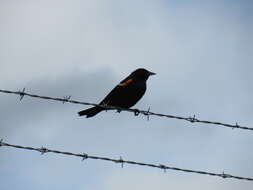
[
  {"x": 135, "y": 111},
  {"x": 85, "y": 156}
]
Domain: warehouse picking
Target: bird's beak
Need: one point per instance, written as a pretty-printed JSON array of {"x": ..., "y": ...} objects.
[{"x": 151, "y": 73}]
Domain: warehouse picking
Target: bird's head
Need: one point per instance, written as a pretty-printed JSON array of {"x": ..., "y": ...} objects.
[{"x": 141, "y": 74}]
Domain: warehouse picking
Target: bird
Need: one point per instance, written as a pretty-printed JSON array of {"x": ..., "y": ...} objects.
[{"x": 124, "y": 95}]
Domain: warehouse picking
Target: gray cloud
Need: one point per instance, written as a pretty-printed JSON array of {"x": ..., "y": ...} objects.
[{"x": 202, "y": 53}]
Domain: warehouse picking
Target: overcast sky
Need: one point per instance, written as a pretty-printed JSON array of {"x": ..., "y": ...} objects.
[{"x": 202, "y": 52}]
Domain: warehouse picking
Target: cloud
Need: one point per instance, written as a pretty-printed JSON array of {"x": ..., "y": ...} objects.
[{"x": 201, "y": 52}]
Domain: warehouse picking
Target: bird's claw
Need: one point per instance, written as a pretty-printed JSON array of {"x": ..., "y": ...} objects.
[{"x": 136, "y": 112}]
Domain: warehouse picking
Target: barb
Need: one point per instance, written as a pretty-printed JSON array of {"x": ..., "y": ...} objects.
[
  {"x": 163, "y": 167},
  {"x": 147, "y": 114},
  {"x": 120, "y": 161},
  {"x": 66, "y": 98},
  {"x": 135, "y": 111},
  {"x": 22, "y": 94}
]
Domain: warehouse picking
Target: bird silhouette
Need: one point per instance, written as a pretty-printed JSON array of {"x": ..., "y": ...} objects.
[{"x": 125, "y": 95}]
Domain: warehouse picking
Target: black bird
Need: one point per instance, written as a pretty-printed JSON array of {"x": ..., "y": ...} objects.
[{"x": 126, "y": 94}]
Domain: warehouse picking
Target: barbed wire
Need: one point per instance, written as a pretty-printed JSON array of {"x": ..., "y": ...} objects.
[
  {"x": 85, "y": 156},
  {"x": 136, "y": 112}
]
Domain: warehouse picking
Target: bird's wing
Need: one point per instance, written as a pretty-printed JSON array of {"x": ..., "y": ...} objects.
[
  {"x": 116, "y": 90},
  {"x": 125, "y": 82}
]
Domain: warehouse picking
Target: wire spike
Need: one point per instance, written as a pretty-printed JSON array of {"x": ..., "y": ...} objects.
[
  {"x": 120, "y": 160},
  {"x": 22, "y": 94},
  {"x": 66, "y": 99},
  {"x": 85, "y": 156},
  {"x": 192, "y": 119},
  {"x": 163, "y": 167},
  {"x": 43, "y": 150},
  {"x": 223, "y": 175}
]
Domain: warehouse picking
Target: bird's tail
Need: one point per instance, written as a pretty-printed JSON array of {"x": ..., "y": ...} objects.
[{"x": 91, "y": 111}]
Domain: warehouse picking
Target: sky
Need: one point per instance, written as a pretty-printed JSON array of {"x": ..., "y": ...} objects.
[{"x": 202, "y": 52}]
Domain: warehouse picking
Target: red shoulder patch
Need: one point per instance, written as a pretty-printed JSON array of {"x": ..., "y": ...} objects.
[{"x": 125, "y": 83}]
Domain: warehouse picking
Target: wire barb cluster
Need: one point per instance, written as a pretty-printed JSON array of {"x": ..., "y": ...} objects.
[
  {"x": 136, "y": 112},
  {"x": 163, "y": 167}
]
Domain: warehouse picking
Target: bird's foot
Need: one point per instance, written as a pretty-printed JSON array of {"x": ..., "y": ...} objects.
[{"x": 136, "y": 112}]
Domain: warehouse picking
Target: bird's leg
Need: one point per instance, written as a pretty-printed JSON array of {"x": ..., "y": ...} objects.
[{"x": 136, "y": 112}]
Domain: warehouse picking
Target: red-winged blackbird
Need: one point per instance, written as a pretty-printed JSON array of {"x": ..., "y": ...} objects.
[{"x": 126, "y": 94}]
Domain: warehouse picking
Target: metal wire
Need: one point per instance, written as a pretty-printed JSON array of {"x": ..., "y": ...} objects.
[
  {"x": 136, "y": 112},
  {"x": 85, "y": 156}
]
